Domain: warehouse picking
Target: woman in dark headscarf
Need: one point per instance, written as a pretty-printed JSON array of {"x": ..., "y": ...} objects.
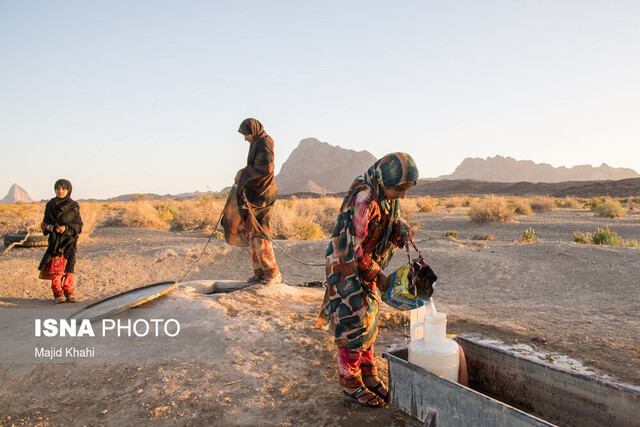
[
  {"x": 364, "y": 239},
  {"x": 257, "y": 192},
  {"x": 62, "y": 223}
]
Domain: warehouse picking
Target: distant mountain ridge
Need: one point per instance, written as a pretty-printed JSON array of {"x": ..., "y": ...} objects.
[
  {"x": 318, "y": 167},
  {"x": 508, "y": 169},
  {"x": 16, "y": 194},
  {"x": 629, "y": 187}
]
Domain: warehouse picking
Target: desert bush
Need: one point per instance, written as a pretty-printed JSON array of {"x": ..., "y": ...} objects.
[
  {"x": 604, "y": 236},
  {"x": 451, "y": 233},
  {"x": 409, "y": 205},
  {"x": 291, "y": 216},
  {"x": 542, "y": 203},
  {"x": 593, "y": 202},
  {"x": 582, "y": 238},
  {"x": 426, "y": 204},
  {"x": 483, "y": 237},
  {"x": 21, "y": 217},
  {"x": 491, "y": 209},
  {"x": 528, "y": 236},
  {"x": 141, "y": 215},
  {"x": 455, "y": 202},
  {"x": 167, "y": 209},
  {"x": 91, "y": 214},
  {"x": 521, "y": 206},
  {"x": 309, "y": 231},
  {"x": 140, "y": 197},
  {"x": 199, "y": 214},
  {"x": 609, "y": 209},
  {"x": 568, "y": 202}
]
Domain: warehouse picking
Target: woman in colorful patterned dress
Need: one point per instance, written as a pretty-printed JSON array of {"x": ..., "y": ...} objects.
[
  {"x": 256, "y": 183},
  {"x": 367, "y": 231}
]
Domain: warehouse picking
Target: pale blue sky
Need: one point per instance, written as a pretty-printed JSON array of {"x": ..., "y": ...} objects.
[{"x": 146, "y": 96}]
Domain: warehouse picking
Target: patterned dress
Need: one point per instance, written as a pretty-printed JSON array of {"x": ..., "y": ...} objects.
[{"x": 362, "y": 243}]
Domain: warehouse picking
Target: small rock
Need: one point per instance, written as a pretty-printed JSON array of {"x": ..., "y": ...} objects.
[{"x": 104, "y": 412}]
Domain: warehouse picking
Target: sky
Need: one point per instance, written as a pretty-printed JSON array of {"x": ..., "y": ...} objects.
[{"x": 146, "y": 96}]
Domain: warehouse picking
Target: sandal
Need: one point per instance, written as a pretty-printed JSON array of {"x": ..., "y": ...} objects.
[
  {"x": 364, "y": 397},
  {"x": 380, "y": 390},
  {"x": 255, "y": 279}
]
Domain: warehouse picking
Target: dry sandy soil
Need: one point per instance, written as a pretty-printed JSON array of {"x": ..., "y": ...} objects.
[{"x": 277, "y": 370}]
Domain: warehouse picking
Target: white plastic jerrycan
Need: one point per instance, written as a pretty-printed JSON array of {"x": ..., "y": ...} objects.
[{"x": 430, "y": 348}]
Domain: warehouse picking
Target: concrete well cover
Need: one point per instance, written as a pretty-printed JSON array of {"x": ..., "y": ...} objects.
[{"x": 123, "y": 301}]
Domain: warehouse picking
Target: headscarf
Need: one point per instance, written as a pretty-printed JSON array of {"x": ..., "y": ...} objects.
[
  {"x": 256, "y": 188},
  {"x": 251, "y": 127},
  {"x": 350, "y": 307},
  {"x": 390, "y": 171}
]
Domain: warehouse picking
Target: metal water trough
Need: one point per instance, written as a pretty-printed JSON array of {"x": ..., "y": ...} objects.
[{"x": 509, "y": 390}]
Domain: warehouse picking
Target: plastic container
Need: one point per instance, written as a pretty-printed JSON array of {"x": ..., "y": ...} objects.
[{"x": 430, "y": 348}]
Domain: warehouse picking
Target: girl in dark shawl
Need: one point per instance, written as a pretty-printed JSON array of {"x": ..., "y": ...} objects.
[
  {"x": 364, "y": 239},
  {"x": 62, "y": 223},
  {"x": 257, "y": 192}
]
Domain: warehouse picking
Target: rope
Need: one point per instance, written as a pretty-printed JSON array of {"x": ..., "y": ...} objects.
[
  {"x": 208, "y": 241},
  {"x": 264, "y": 234}
]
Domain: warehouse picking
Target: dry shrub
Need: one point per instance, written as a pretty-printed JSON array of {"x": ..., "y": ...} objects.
[
  {"x": 167, "y": 209},
  {"x": 483, "y": 237},
  {"x": 457, "y": 202},
  {"x": 609, "y": 209},
  {"x": 426, "y": 204},
  {"x": 309, "y": 231},
  {"x": 291, "y": 219},
  {"x": 91, "y": 214},
  {"x": 528, "y": 236},
  {"x": 568, "y": 202},
  {"x": 521, "y": 206},
  {"x": 141, "y": 215},
  {"x": 409, "y": 205},
  {"x": 21, "y": 217},
  {"x": 491, "y": 209},
  {"x": 542, "y": 203},
  {"x": 593, "y": 202},
  {"x": 198, "y": 214}
]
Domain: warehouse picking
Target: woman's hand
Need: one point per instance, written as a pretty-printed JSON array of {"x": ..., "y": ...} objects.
[
  {"x": 406, "y": 234},
  {"x": 60, "y": 229},
  {"x": 382, "y": 281}
]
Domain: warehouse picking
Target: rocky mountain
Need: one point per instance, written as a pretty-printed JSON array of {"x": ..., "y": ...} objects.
[
  {"x": 318, "y": 167},
  {"x": 508, "y": 169},
  {"x": 16, "y": 194},
  {"x": 629, "y": 187}
]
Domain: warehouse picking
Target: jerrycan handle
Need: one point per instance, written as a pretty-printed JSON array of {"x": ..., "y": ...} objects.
[{"x": 416, "y": 324}]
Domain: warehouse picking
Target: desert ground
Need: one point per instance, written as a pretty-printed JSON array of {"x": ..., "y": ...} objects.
[{"x": 277, "y": 369}]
